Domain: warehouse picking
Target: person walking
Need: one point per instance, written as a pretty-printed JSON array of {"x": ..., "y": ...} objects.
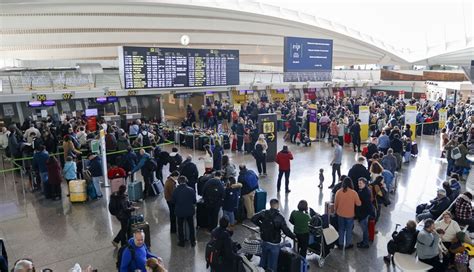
[
  {"x": 364, "y": 211},
  {"x": 260, "y": 155},
  {"x": 147, "y": 165},
  {"x": 136, "y": 254},
  {"x": 170, "y": 186},
  {"x": 344, "y": 204},
  {"x": 271, "y": 223},
  {"x": 336, "y": 162},
  {"x": 283, "y": 159},
  {"x": 184, "y": 200},
  {"x": 121, "y": 208},
  {"x": 228, "y": 169}
]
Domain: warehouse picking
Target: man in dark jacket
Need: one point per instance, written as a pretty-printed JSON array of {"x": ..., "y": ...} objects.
[
  {"x": 403, "y": 241},
  {"x": 162, "y": 158},
  {"x": 95, "y": 167},
  {"x": 122, "y": 210},
  {"x": 14, "y": 143},
  {"x": 364, "y": 211},
  {"x": 437, "y": 206},
  {"x": 227, "y": 257},
  {"x": 355, "y": 132},
  {"x": 184, "y": 200},
  {"x": 39, "y": 164},
  {"x": 271, "y": 223},
  {"x": 190, "y": 171},
  {"x": 129, "y": 160},
  {"x": 358, "y": 170},
  {"x": 174, "y": 159},
  {"x": 213, "y": 194},
  {"x": 249, "y": 181}
]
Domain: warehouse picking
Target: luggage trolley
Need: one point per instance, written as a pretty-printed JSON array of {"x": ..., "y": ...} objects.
[
  {"x": 252, "y": 245},
  {"x": 317, "y": 244}
]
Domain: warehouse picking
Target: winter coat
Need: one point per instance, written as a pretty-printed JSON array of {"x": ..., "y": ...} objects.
[
  {"x": 54, "y": 172},
  {"x": 283, "y": 159},
  {"x": 184, "y": 199}
]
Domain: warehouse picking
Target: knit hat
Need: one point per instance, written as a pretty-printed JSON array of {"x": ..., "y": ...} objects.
[{"x": 441, "y": 191}]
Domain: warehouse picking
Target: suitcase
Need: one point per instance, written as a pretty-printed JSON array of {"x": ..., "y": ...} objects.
[
  {"x": 115, "y": 184},
  {"x": 249, "y": 266},
  {"x": 203, "y": 141},
  {"x": 328, "y": 207},
  {"x": 289, "y": 261},
  {"x": 260, "y": 200},
  {"x": 234, "y": 144},
  {"x": 347, "y": 138},
  {"x": 201, "y": 215},
  {"x": 156, "y": 188},
  {"x": 241, "y": 213},
  {"x": 371, "y": 229},
  {"x": 189, "y": 140},
  {"x": 146, "y": 229},
  {"x": 77, "y": 190},
  {"x": 414, "y": 148},
  {"x": 135, "y": 191},
  {"x": 91, "y": 193}
]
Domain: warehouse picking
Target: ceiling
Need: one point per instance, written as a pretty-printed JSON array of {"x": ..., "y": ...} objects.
[{"x": 92, "y": 30}]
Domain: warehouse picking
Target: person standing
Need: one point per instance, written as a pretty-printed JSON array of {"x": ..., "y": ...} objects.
[
  {"x": 39, "y": 164},
  {"x": 340, "y": 131},
  {"x": 231, "y": 200},
  {"x": 228, "y": 169},
  {"x": 427, "y": 246},
  {"x": 364, "y": 211},
  {"x": 336, "y": 162},
  {"x": 217, "y": 154},
  {"x": 300, "y": 219},
  {"x": 95, "y": 168},
  {"x": 271, "y": 223},
  {"x": 344, "y": 204},
  {"x": 222, "y": 236},
  {"x": 175, "y": 160},
  {"x": 136, "y": 260},
  {"x": 213, "y": 195},
  {"x": 355, "y": 132},
  {"x": 260, "y": 155},
  {"x": 190, "y": 171},
  {"x": 283, "y": 159},
  {"x": 184, "y": 200},
  {"x": 249, "y": 181},
  {"x": 170, "y": 186},
  {"x": 122, "y": 209},
  {"x": 147, "y": 165},
  {"x": 54, "y": 177}
]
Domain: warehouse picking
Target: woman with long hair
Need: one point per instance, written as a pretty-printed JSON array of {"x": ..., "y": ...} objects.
[{"x": 344, "y": 203}]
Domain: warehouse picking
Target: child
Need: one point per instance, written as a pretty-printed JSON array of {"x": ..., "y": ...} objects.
[
  {"x": 321, "y": 178},
  {"x": 231, "y": 199}
]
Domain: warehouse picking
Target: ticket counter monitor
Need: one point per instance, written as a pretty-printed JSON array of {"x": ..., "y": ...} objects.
[{"x": 267, "y": 125}]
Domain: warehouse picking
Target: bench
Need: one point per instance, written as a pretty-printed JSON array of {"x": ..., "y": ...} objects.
[{"x": 409, "y": 262}]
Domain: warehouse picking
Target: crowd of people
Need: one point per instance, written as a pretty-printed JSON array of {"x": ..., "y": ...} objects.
[{"x": 223, "y": 186}]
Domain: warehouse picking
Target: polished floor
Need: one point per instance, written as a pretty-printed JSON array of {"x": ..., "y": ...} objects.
[{"x": 57, "y": 234}]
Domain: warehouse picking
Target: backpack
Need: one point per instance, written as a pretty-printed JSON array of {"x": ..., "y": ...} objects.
[
  {"x": 110, "y": 144},
  {"x": 213, "y": 197},
  {"x": 120, "y": 254},
  {"x": 252, "y": 179},
  {"x": 456, "y": 153},
  {"x": 213, "y": 253},
  {"x": 146, "y": 139},
  {"x": 150, "y": 165},
  {"x": 267, "y": 228},
  {"x": 114, "y": 205}
]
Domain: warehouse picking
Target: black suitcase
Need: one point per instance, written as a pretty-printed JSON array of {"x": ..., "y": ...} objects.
[
  {"x": 289, "y": 261},
  {"x": 189, "y": 140},
  {"x": 241, "y": 213},
  {"x": 201, "y": 215},
  {"x": 146, "y": 229},
  {"x": 203, "y": 141}
]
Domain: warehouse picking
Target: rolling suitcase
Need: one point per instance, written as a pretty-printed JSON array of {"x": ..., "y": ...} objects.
[
  {"x": 135, "y": 191},
  {"x": 260, "y": 200},
  {"x": 156, "y": 188},
  {"x": 77, "y": 190},
  {"x": 115, "y": 184},
  {"x": 347, "y": 138},
  {"x": 240, "y": 214},
  {"x": 146, "y": 229},
  {"x": 371, "y": 229},
  {"x": 201, "y": 215},
  {"x": 289, "y": 261}
]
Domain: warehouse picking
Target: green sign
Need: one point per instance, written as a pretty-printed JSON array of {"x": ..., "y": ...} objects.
[{"x": 95, "y": 146}]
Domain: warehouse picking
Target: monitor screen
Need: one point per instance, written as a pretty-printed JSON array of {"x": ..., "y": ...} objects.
[
  {"x": 34, "y": 104},
  {"x": 91, "y": 112},
  {"x": 49, "y": 103},
  {"x": 112, "y": 99},
  {"x": 101, "y": 100},
  {"x": 156, "y": 67}
]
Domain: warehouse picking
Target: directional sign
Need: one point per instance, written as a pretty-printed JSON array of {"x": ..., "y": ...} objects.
[
  {"x": 271, "y": 137},
  {"x": 268, "y": 127},
  {"x": 267, "y": 123}
]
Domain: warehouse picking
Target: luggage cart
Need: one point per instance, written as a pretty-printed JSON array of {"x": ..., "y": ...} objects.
[
  {"x": 252, "y": 245},
  {"x": 319, "y": 247}
]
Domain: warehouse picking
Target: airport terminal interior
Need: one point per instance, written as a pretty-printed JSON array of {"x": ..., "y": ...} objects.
[{"x": 236, "y": 135}]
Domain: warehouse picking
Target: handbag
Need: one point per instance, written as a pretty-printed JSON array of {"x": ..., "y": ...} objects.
[
  {"x": 330, "y": 235},
  {"x": 252, "y": 246}
]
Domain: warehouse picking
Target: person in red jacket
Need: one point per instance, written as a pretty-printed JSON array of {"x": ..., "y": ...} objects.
[
  {"x": 283, "y": 159},
  {"x": 116, "y": 172}
]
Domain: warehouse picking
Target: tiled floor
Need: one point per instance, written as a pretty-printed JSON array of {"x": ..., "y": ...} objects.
[{"x": 57, "y": 235}]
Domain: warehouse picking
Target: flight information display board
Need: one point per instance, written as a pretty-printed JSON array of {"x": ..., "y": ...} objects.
[
  {"x": 155, "y": 67},
  {"x": 307, "y": 59}
]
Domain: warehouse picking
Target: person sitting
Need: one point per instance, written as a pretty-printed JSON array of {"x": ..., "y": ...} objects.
[
  {"x": 403, "y": 241},
  {"x": 463, "y": 208},
  {"x": 136, "y": 260},
  {"x": 427, "y": 247},
  {"x": 449, "y": 227},
  {"x": 433, "y": 210}
]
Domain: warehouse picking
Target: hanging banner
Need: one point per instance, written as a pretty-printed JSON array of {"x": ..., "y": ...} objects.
[
  {"x": 313, "y": 121},
  {"x": 443, "y": 116},
  {"x": 410, "y": 119},
  {"x": 364, "y": 122}
]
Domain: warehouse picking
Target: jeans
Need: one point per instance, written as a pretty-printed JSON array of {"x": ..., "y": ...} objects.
[
  {"x": 364, "y": 224},
  {"x": 262, "y": 164},
  {"x": 230, "y": 216},
  {"x": 249, "y": 204},
  {"x": 240, "y": 142},
  {"x": 96, "y": 182},
  {"x": 172, "y": 216},
  {"x": 124, "y": 233},
  {"x": 345, "y": 230},
  {"x": 356, "y": 143},
  {"x": 424, "y": 215},
  {"x": 435, "y": 263},
  {"x": 336, "y": 168},
  {"x": 186, "y": 220},
  {"x": 450, "y": 167},
  {"x": 44, "y": 179},
  {"x": 269, "y": 257},
  {"x": 287, "y": 179}
]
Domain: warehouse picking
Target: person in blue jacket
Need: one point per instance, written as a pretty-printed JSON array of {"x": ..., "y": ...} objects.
[
  {"x": 95, "y": 168},
  {"x": 135, "y": 255},
  {"x": 147, "y": 173},
  {"x": 39, "y": 164}
]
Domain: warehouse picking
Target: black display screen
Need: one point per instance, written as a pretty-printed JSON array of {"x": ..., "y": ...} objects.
[{"x": 154, "y": 67}]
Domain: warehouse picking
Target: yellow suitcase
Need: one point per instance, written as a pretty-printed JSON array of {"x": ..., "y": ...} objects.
[{"x": 77, "y": 190}]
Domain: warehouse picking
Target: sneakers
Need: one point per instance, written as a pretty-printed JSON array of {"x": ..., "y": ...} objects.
[
  {"x": 288, "y": 191},
  {"x": 387, "y": 258},
  {"x": 116, "y": 245},
  {"x": 331, "y": 186}
]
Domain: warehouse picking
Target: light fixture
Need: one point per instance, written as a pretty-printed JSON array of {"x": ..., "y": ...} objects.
[{"x": 185, "y": 40}]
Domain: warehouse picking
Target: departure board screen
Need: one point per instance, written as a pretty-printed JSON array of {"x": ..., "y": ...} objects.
[{"x": 155, "y": 67}]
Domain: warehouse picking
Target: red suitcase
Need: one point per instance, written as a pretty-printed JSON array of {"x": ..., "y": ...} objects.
[
  {"x": 347, "y": 138},
  {"x": 371, "y": 229},
  {"x": 234, "y": 144}
]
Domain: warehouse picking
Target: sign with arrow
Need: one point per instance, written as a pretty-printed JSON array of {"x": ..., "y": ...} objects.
[{"x": 267, "y": 124}]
